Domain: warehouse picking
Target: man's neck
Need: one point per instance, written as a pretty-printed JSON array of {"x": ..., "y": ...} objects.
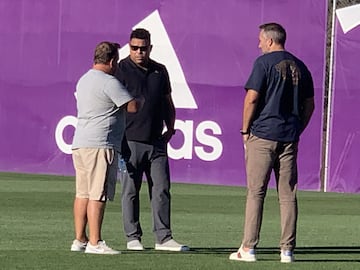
[
  {"x": 102, "y": 67},
  {"x": 277, "y": 48}
]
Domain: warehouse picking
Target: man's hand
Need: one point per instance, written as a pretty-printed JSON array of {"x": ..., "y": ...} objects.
[{"x": 168, "y": 134}]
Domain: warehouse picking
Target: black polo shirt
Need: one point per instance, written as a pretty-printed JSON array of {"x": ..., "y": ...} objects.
[{"x": 154, "y": 85}]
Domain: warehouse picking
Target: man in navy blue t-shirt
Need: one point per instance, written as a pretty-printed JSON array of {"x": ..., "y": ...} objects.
[{"x": 277, "y": 108}]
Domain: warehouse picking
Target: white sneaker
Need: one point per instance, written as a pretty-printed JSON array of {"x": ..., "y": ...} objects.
[
  {"x": 78, "y": 245},
  {"x": 100, "y": 248},
  {"x": 245, "y": 256},
  {"x": 134, "y": 245},
  {"x": 287, "y": 256},
  {"x": 171, "y": 245}
]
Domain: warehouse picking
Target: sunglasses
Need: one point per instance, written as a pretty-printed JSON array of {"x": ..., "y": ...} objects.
[{"x": 142, "y": 48}]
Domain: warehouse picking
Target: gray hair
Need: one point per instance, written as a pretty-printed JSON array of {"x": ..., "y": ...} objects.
[{"x": 275, "y": 31}]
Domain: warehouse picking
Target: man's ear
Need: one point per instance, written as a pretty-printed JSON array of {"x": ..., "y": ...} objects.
[
  {"x": 112, "y": 62},
  {"x": 271, "y": 42}
]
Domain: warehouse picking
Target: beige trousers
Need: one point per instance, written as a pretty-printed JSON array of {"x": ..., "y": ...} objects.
[{"x": 262, "y": 157}]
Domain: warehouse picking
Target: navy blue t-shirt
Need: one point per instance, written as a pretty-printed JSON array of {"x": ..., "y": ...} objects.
[
  {"x": 154, "y": 85},
  {"x": 283, "y": 82}
]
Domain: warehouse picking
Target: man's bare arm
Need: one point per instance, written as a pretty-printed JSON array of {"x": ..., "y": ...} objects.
[
  {"x": 307, "y": 111},
  {"x": 250, "y": 105}
]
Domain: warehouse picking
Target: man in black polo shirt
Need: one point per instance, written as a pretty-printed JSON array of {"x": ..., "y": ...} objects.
[{"x": 147, "y": 144}]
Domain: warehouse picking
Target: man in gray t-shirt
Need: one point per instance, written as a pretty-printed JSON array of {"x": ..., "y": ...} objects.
[
  {"x": 101, "y": 121},
  {"x": 101, "y": 103}
]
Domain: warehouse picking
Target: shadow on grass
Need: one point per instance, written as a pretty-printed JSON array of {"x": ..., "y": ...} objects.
[
  {"x": 337, "y": 253},
  {"x": 330, "y": 254}
]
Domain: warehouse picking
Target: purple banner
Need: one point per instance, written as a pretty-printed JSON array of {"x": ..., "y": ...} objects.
[
  {"x": 208, "y": 47},
  {"x": 344, "y": 169}
]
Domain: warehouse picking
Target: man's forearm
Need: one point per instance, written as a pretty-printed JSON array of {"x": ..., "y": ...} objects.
[
  {"x": 170, "y": 115},
  {"x": 250, "y": 104},
  {"x": 307, "y": 111}
]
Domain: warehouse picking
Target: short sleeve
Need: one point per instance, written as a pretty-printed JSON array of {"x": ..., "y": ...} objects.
[
  {"x": 257, "y": 79},
  {"x": 117, "y": 92},
  {"x": 167, "y": 89}
]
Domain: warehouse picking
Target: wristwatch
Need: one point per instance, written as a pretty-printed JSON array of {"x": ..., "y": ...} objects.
[{"x": 244, "y": 132}]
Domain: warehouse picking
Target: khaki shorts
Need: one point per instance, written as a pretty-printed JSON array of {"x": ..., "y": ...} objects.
[{"x": 95, "y": 173}]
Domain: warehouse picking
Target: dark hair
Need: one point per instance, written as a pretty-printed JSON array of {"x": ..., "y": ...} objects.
[
  {"x": 141, "y": 33},
  {"x": 105, "y": 51},
  {"x": 275, "y": 31}
]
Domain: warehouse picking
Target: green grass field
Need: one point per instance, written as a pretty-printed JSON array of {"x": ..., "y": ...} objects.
[{"x": 36, "y": 229}]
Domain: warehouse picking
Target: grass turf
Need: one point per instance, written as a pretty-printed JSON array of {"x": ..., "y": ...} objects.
[{"x": 36, "y": 229}]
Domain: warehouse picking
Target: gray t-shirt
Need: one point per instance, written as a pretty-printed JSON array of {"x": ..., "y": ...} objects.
[{"x": 101, "y": 123}]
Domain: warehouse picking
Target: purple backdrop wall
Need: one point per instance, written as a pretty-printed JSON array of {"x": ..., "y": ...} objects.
[
  {"x": 48, "y": 46},
  {"x": 344, "y": 169}
]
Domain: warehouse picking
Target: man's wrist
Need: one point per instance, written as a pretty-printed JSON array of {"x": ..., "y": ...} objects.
[
  {"x": 172, "y": 131},
  {"x": 244, "y": 132}
]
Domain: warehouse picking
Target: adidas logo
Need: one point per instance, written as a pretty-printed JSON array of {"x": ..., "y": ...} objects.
[{"x": 349, "y": 17}]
